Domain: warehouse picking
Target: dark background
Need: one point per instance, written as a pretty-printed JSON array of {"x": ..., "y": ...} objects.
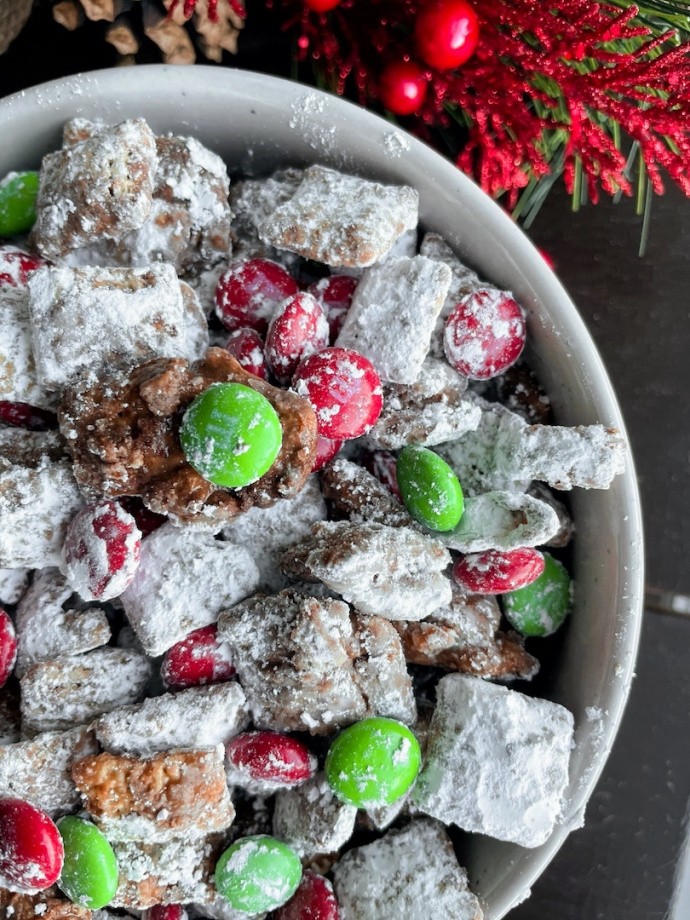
[{"x": 624, "y": 865}]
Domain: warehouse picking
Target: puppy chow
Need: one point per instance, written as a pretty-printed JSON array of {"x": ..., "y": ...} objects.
[
  {"x": 392, "y": 315},
  {"x": 390, "y": 572},
  {"x": 341, "y": 220},
  {"x": 72, "y": 690},
  {"x": 185, "y": 577},
  {"x": 311, "y": 820},
  {"x": 496, "y": 761},
  {"x": 40, "y": 771},
  {"x": 194, "y": 718},
  {"x": 155, "y": 799},
  {"x": 85, "y": 321},
  {"x": 411, "y": 872}
]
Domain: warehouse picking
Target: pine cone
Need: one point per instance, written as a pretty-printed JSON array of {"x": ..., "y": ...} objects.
[{"x": 13, "y": 15}]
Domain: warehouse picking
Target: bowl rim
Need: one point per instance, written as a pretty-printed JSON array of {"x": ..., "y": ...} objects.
[{"x": 201, "y": 78}]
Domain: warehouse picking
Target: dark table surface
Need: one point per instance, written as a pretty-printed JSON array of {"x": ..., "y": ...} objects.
[{"x": 629, "y": 862}]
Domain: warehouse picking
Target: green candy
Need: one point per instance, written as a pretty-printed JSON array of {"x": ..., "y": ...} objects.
[
  {"x": 18, "y": 203},
  {"x": 258, "y": 873},
  {"x": 429, "y": 488},
  {"x": 540, "y": 608},
  {"x": 89, "y": 873},
  {"x": 373, "y": 762},
  {"x": 231, "y": 435}
]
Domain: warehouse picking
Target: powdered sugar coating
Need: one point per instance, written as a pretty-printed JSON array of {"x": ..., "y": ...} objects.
[
  {"x": 18, "y": 379},
  {"x": 47, "y": 630},
  {"x": 36, "y": 504},
  {"x": 87, "y": 320},
  {"x": 95, "y": 190},
  {"x": 496, "y": 762},
  {"x": 502, "y": 520},
  {"x": 311, "y": 820},
  {"x": 193, "y": 718},
  {"x": 39, "y": 771},
  {"x": 411, "y": 872},
  {"x": 185, "y": 577},
  {"x": 382, "y": 671},
  {"x": 253, "y": 201},
  {"x": 393, "y": 313},
  {"x": 361, "y": 496},
  {"x": 341, "y": 220},
  {"x": 270, "y": 531},
  {"x": 390, "y": 572},
  {"x": 73, "y": 690},
  {"x": 13, "y": 584}
]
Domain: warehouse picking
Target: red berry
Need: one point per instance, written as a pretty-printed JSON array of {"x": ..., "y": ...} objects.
[
  {"x": 269, "y": 757},
  {"x": 200, "y": 658},
  {"x": 101, "y": 550},
  {"x": 146, "y": 520},
  {"x": 249, "y": 292},
  {"x": 247, "y": 346},
  {"x": 495, "y": 572},
  {"x": 22, "y": 415},
  {"x": 384, "y": 465},
  {"x": 8, "y": 647},
  {"x": 447, "y": 33},
  {"x": 298, "y": 329},
  {"x": 402, "y": 87},
  {"x": 335, "y": 296},
  {"x": 325, "y": 452},
  {"x": 16, "y": 266},
  {"x": 31, "y": 851},
  {"x": 313, "y": 900},
  {"x": 344, "y": 391},
  {"x": 166, "y": 912},
  {"x": 484, "y": 334},
  {"x": 321, "y": 6}
]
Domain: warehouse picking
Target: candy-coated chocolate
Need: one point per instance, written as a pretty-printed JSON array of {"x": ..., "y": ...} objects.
[
  {"x": 271, "y": 756},
  {"x": 496, "y": 572},
  {"x": 326, "y": 450},
  {"x": 484, "y": 334},
  {"x": 18, "y": 203},
  {"x": 247, "y": 346},
  {"x": 335, "y": 296},
  {"x": 541, "y": 607},
  {"x": 89, "y": 875},
  {"x": 373, "y": 762},
  {"x": 8, "y": 647},
  {"x": 257, "y": 874},
  {"x": 31, "y": 850},
  {"x": 298, "y": 329},
  {"x": 313, "y": 900},
  {"x": 200, "y": 658},
  {"x": 429, "y": 488},
  {"x": 231, "y": 435},
  {"x": 22, "y": 415},
  {"x": 249, "y": 292}
]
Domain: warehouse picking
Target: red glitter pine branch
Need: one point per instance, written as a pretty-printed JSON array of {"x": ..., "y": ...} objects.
[{"x": 551, "y": 81}]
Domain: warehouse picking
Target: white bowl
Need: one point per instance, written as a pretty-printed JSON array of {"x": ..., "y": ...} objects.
[{"x": 258, "y": 122}]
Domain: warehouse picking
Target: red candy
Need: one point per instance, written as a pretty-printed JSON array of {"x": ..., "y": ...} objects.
[
  {"x": 200, "y": 658},
  {"x": 271, "y": 757},
  {"x": 298, "y": 329},
  {"x": 146, "y": 520},
  {"x": 344, "y": 391},
  {"x": 247, "y": 346},
  {"x": 16, "y": 266},
  {"x": 166, "y": 912},
  {"x": 22, "y": 415},
  {"x": 325, "y": 451},
  {"x": 495, "y": 572},
  {"x": 8, "y": 647},
  {"x": 249, "y": 293},
  {"x": 101, "y": 550},
  {"x": 335, "y": 296},
  {"x": 484, "y": 334},
  {"x": 31, "y": 851},
  {"x": 313, "y": 900}
]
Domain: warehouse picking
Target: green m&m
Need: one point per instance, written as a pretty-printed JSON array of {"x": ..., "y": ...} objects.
[
  {"x": 231, "y": 435},
  {"x": 539, "y": 608},
  {"x": 18, "y": 203},
  {"x": 373, "y": 762},
  {"x": 89, "y": 873},
  {"x": 429, "y": 488},
  {"x": 257, "y": 874}
]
